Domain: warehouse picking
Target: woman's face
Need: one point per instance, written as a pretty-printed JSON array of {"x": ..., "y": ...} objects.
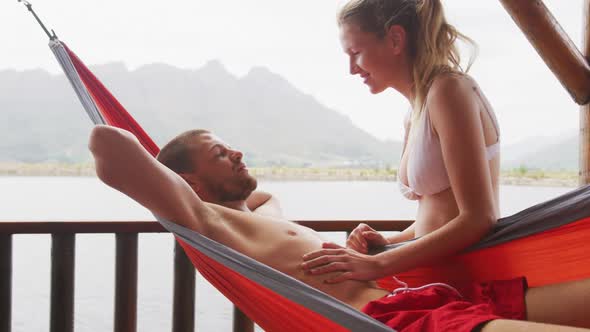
[{"x": 372, "y": 58}]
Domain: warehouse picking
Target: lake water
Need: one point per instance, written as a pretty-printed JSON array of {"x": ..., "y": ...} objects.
[{"x": 79, "y": 198}]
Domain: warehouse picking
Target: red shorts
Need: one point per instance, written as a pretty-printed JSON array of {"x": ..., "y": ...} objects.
[{"x": 438, "y": 308}]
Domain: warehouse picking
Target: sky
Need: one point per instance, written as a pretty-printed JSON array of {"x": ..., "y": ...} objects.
[{"x": 299, "y": 41}]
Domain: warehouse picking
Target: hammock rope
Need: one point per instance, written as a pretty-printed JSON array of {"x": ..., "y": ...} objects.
[{"x": 52, "y": 35}]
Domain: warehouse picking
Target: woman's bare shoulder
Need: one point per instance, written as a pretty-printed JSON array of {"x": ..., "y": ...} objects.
[
  {"x": 450, "y": 82},
  {"x": 451, "y": 92}
]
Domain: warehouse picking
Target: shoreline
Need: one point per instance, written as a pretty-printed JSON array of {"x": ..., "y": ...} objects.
[{"x": 516, "y": 177}]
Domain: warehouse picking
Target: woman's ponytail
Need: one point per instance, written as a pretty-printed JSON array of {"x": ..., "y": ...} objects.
[{"x": 436, "y": 50}]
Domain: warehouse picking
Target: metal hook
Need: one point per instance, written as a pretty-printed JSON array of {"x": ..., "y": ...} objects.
[{"x": 30, "y": 8}]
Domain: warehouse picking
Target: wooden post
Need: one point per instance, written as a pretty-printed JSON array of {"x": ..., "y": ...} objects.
[
  {"x": 555, "y": 47},
  {"x": 63, "y": 254},
  {"x": 183, "y": 310},
  {"x": 5, "y": 282},
  {"x": 126, "y": 283},
  {"x": 584, "y": 175},
  {"x": 241, "y": 322}
]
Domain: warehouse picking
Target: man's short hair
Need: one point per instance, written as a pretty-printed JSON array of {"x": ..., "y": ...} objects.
[{"x": 178, "y": 154}]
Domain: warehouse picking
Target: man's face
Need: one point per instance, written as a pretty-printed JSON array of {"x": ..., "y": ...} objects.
[{"x": 222, "y": 175}]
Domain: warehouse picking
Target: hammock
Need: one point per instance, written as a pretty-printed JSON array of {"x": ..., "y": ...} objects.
[
  {"x": 547, "y": 243},
  {"x": 272, "y": 299}
]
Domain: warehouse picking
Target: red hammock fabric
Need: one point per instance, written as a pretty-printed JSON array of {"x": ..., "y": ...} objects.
[
  {"x": 109, "y": 107},
  {"x": 554, "y": 256},
  {"x": 268, "y": 309}
]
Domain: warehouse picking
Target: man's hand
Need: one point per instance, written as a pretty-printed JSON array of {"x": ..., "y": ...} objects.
[{"x": 364, "y": 237}]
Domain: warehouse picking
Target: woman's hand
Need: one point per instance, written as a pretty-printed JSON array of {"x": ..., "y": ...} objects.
[
  {"x": 363, "y": 237},
  {"x": 334, "y": 258}
]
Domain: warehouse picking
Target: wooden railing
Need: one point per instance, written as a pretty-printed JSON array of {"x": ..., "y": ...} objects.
[{"x": 63, "y": 235}]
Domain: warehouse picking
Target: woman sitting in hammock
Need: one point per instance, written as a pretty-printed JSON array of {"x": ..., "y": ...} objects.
[
  {"x": 450, "y": 162},
  {"x": 208, "y": 168}
]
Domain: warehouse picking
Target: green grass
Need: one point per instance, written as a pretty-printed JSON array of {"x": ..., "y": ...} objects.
[
  {"x": 518, "y": 176},
  {"x": 537, "y": 174}
]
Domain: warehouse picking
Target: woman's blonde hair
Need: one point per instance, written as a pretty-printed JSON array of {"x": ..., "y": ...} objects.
[{"x": 431, "y": 40}]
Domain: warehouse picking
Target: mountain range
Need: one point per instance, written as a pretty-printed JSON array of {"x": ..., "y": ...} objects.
[
  {"x": 261, "y": 113},
  {"x": 548, "y": 153}
]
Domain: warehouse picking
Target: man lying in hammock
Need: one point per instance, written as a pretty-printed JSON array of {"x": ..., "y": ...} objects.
[{"x": 210, "y": 192}]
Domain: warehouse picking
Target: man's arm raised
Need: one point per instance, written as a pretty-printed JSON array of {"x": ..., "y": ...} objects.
[{"x": 123, "y": 163}]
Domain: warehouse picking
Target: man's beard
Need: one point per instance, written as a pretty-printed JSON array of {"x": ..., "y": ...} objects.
[{"x": 240, "y": 190}]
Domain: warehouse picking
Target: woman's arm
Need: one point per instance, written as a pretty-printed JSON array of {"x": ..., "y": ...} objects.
[
  {"x": 123, "y": 163},
  {"x": 455, "y": 115},
  {"x": 405, "y": 235}
]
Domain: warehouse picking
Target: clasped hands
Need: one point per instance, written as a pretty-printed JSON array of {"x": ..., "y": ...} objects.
[{"x": 353, "y": 261}]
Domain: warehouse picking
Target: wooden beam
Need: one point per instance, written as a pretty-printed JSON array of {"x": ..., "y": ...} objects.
[
  {"x": 78, "y": 227},
  {"x": 183, "y": 309},
  {"x": 241, "y": 322},
  {"x": 126, "y": 283},
  {"x": 63, "y": 257},
  {"x": 584, "y": 175},
  {"x": 349, "y": 225},
  {"x": 586, "y": 29},
  {"x": 553, "y": 45},
  {"x": 95, "y": 227},
  {"x": 5, "y": 282}
]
